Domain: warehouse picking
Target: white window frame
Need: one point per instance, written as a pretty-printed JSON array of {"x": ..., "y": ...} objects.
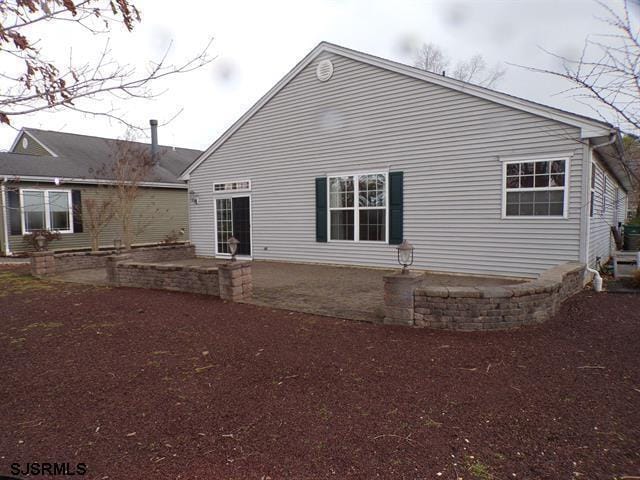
[
  {"x": 231, "y": 190},
  {"x": 230, "y": 194},
  {"x": 47, "y": 209},
  {"x": 532, "y": 159},
  {"x": 356, "y": 207}
]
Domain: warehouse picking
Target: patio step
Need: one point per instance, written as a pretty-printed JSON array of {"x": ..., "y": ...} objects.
[{"x": 625, "y": 263}]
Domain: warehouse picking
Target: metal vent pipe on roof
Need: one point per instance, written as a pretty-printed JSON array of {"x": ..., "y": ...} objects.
[{"x": 154, "y": 138}]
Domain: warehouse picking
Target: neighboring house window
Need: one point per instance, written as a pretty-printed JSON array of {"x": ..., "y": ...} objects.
[
  {"x": 358, "y": 207},
  {"x": 46, "y": 210},
  {"x": 535, "y": 188},
  {"x": 593, "y": 189}
]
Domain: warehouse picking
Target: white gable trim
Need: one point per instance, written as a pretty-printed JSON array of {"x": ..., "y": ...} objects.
[
  {"x": 589, "y": 128},
  {"x": 33, "y": 137}
]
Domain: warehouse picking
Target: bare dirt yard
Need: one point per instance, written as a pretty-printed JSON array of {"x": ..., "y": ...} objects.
[{"x": 142, "y": 384}]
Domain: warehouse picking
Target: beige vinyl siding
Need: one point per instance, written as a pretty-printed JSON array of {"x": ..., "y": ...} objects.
[
  {"x": 157, "y": 212},
  {"x": 367, "y": 119},
  {"x": 605, "y": 214},
  {"x": 33, "y": 147}
]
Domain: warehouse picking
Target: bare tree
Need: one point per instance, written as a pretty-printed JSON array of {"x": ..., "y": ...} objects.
[
  {"x": 632, "y": 157},
  {"x": 432, "y": 58},
  {"x": 97, "y": 212},
  {"x": 29, "y": 82},
  {"x": 132, "y": 164},
  {"x": 607, "y": 70}
]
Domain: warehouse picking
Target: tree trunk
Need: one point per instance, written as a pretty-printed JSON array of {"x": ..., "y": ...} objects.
[{"x": 95, "y": 243}]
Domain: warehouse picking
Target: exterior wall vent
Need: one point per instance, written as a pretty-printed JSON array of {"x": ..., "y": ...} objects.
[{"x": 324, "y": 70}]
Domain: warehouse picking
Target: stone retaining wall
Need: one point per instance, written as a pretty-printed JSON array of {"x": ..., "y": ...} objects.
[
  {"x": 64, "y": 262},
  {"x": 180, "y": 278},
  {"x": 493, "y": 308},
  {"x": 231, "y": 281}
]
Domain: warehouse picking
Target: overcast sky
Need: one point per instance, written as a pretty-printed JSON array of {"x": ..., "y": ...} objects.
[{"x": 258, "y": 42}]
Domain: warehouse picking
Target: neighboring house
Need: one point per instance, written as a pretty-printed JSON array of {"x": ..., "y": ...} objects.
[
  {"x": 350, "y": 153},
  {"x": 47, "y": 176}
]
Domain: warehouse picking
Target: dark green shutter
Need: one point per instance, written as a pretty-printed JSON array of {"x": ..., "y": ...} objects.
[
  {"x": 13, "y": 202},
  {"x": 395, "y": 208},
  {"x": 76, "y": 202},
  {"x": 321, "y": 209}
]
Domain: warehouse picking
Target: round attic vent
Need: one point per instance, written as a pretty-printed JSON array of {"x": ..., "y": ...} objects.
[
  {"x": 324, "y": 71},
  {"x": 25, "y": 142}
]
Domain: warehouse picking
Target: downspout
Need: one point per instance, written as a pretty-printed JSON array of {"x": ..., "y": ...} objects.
[
  {"x": 5, "y": 231},
  {"x": 597, "y": 279}
]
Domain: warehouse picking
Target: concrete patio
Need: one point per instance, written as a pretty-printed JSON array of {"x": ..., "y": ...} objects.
[{"x": 354, "y": 293}]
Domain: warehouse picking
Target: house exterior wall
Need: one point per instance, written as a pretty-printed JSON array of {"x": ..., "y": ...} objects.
[
  {"x": 607, "y": 212},
  {"x": 33, "y": 147},
  {"x": 157, "y": 212},
  {"x": 367, "y": 119},
  {"x": 2, "y": 222}
]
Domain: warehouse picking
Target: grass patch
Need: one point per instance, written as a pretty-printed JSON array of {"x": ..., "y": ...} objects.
[
  {"x": 479, "y": 470},
  {"x": 45, "y": 325},
  {"x": 14, "y": 283}
]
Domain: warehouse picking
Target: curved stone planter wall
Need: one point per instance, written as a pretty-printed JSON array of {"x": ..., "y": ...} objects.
[{"x": 489, "y": 308}]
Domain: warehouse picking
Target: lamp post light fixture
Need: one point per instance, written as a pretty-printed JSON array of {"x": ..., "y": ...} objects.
[
  {"x": 233, "y": 243},
  {"x": 117, "y": 244},
  {"x": 405, "y": 255},
  {"x": 41, "y": 241}
]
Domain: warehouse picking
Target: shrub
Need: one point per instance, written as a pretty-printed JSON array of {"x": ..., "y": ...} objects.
[{"x": 32, "y": 238}]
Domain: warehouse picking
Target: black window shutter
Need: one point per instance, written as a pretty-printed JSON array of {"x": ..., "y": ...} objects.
[
  {"x": 13, "y": 202},
  {"x": 395, "y": 208},
  {"x": 76, "y": 202},
  {"x": 321, "y": 209}
]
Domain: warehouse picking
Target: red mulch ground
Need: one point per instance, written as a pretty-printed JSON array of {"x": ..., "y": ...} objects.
[{"x": 146, "y": 384}]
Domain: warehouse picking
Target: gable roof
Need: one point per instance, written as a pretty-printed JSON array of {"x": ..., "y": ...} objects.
[
  {"x": 589, "y": 127},
  {"x": 82, "y": 157}
]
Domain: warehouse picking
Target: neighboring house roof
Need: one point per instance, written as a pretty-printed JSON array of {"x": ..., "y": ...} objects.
[
  {"x": 589, "y": 127},
  {"x": 83, "y": 158}
]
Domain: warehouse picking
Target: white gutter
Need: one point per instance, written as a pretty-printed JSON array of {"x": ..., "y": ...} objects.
[
  {"x": 87, "y": 181},
  {"x": 5, "y": 231}
]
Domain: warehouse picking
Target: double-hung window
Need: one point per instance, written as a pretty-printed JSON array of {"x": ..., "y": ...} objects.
[
  {"x": 46, "y": 210},
  {"x": 536, "y": 188},
  {"x": 358, "y": 207}
]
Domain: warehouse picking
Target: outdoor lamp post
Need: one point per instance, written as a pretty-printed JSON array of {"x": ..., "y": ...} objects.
[
  {"x": 117, "y": 244},
  {"x": 41, "y": 241},
  {"x": 405, "y": 255},
  {"x": 233, "y": 247}
]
